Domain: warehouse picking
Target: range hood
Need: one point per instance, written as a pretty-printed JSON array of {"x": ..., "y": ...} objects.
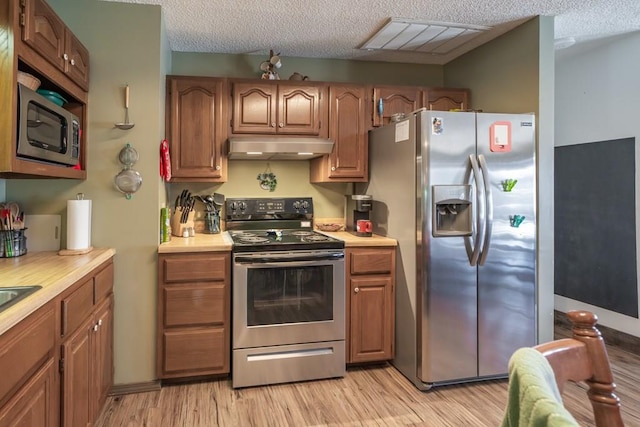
[{"x": 278, "y": 148}]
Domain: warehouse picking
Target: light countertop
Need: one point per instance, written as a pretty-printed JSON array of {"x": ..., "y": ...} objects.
[
  {"x": 53, "y": 272},
  {"x": 351, "y": 240},
  {"x": 199, "y": 243},
  {"x": 222, "y": 242}
]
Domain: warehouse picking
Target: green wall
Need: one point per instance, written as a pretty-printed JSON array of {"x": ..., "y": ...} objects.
[
  {"x": 331, "y": 70},
  {"x": 126, "y": 47},
  {"x": 515, "y": 74}
]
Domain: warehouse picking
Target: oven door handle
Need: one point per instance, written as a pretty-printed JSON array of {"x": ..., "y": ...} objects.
[{"x": 261, "y": 259}]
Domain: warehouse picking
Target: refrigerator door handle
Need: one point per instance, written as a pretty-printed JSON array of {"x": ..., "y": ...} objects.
[
  {"x": 489, "y": 209},
  {"x": 474, "y": 253}
]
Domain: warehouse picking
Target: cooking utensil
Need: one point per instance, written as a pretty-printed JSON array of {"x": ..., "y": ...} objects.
[
  {"x": 128, "y": 181},
  {"x": 126, "y": 125},
  {"x": 218, "y": 200}
]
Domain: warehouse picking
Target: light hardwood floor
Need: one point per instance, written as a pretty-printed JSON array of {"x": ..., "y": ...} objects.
[{"x": 372, "y": 396}]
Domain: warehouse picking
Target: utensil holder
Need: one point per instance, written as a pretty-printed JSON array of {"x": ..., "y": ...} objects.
[
  {"x": 212, "y": 222},
  {"x": 177, "y": 227},
  {"x": 13, "y": 243}
]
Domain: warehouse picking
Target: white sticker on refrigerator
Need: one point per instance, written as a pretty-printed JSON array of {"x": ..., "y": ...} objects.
[
  {"x": 402, "y": 131},
  {"x": 436, "y": 126}
]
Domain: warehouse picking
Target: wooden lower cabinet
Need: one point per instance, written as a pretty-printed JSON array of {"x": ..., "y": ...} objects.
[
  {"x": 194, "y": 314},
  {"x": 29, "y": 395},
  {"x": 57, "y": 364},
  {"x": 86, "y": 352},
  {"x": 370, "y": 304}
]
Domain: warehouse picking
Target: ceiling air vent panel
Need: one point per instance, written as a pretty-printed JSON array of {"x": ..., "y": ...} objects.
[{"x": 438, "y": 38}]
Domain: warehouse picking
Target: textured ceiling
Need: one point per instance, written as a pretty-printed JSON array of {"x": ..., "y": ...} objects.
[{"x": 336, "y": 28}]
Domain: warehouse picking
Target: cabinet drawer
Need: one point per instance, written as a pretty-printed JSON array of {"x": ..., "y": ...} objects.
[
  {"x": 373, "y": 261},
  {"x": 201, "y": 349},
  {"x": 192, "y": 268},
  {"x": 103, "y": 283},
  {"x": 77, "y": 307},
  {"x": 187, "y": 305},
  {"x": 24, "y": 347}
]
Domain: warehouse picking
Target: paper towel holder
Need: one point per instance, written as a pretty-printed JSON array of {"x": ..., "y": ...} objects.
[{"x": 65, "y": 252}]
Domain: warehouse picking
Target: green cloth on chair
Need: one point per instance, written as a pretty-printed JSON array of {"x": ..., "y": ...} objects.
[{"x": 534, "y": 399}]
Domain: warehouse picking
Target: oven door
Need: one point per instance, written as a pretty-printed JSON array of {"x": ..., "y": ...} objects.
[{"x": 288, "y": 298}]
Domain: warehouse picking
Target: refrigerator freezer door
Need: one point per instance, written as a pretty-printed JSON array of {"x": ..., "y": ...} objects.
[
  {"x": 507, "y": 267},
  {"x": 447, "y": 332}
]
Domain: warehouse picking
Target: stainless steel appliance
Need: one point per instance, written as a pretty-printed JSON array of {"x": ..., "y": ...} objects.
[
  {"x": 457, "y": 190},
  {"x": 288, "y": 294},
  {"x": 46, "y": 132}
]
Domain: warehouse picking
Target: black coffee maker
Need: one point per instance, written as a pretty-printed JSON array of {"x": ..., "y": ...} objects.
[{"x": 362, "y": 205}]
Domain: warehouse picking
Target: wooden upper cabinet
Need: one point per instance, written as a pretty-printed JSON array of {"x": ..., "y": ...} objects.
[
  {"x": 77, "y": 63},
  {"x": 47, "y": 34},
  {"x": 195, "y": 128},
  {"x": 390, "y": 100},
  {"x": 348, "y": 162},
  {"x": 282, "y": 108},
  {"x": 254, "y": 108},
  {"x": 444, "y": 99}
]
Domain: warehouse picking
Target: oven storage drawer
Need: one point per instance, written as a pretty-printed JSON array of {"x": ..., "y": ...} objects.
[{"x": 287, "y": 363}]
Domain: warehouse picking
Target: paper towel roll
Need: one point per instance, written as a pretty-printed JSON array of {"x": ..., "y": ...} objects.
[{"x": 78, "y": 224}]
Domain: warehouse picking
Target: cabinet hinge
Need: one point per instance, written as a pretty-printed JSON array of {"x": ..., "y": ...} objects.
[
  {"x": 22, "y": 19},
  {"x": 61, "y": 365},
  {"x": 23, "y": 3}
]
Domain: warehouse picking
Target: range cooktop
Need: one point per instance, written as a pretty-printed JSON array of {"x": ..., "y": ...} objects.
[{"x": 281, "y": 240}]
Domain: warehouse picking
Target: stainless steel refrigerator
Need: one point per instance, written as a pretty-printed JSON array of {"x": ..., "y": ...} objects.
[{"x": 458, "y": 192}]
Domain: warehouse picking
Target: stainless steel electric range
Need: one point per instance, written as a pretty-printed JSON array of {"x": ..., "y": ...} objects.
[{"x": 288, "y": 293}]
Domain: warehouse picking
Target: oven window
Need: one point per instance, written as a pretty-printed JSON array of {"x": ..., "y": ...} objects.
[{"x": 289, "y": 295}]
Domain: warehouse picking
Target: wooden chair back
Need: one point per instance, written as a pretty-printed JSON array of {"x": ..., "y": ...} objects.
[{"x": 584, "y": 358}]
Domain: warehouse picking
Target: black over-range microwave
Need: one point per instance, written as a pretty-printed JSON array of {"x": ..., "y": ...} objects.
[{"x": 46, "y": 132}]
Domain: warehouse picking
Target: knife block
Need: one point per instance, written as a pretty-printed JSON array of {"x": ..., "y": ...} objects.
[{"x": 177, "y": 227}]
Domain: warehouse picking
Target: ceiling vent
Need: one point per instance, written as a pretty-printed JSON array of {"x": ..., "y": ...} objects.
[{"x": 407, "y": 35}]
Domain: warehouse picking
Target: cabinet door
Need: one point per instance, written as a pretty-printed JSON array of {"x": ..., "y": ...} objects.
[
  {"x": 77, "y": 377},
  {"x": 254, "y": 108},
  {"x": 299, "y": 110},
  {"x": 77, "y": 60},
  {"x": 394, "y": 100},
  {"x": 371, "y": 319},
  {"x": 44, "y": 31},
  {"x": 36, "y": 403},
  {"x": 102, "y": 351},
  {"x": 195, "y": 129},
  {"x": 444, "y": 99},
  {"x": 348, "y": 162}
]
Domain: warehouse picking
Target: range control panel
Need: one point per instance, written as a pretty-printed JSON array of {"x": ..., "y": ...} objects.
[{"x": 251, "y": 207}]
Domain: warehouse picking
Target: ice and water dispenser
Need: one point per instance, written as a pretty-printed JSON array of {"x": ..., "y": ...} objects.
[{"x": 452, "y": 210}]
